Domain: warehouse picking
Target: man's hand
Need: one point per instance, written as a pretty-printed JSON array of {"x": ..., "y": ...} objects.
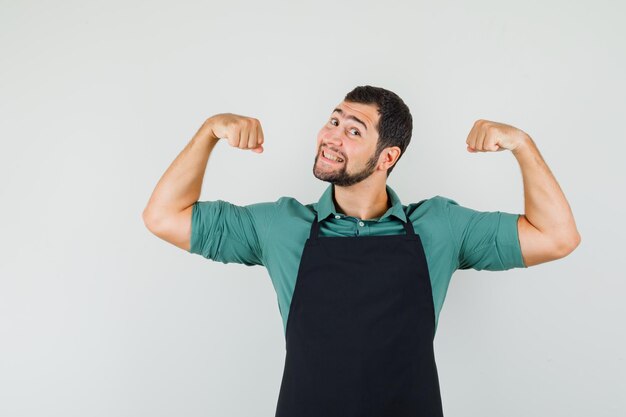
[
  {"x": 488, "y": 136},
  {"x": 241, "y": 131}
]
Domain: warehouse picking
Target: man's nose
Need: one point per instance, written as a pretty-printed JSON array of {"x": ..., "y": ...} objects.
[{"x": 334, "y": 138}]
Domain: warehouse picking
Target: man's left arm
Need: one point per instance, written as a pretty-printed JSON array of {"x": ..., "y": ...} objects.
[{"x": 547, "y": 230}]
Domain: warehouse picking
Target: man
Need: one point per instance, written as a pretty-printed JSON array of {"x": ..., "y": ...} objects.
[{"x": 361, "y": 278}]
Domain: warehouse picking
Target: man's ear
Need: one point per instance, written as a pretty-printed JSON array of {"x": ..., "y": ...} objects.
[{"x": 390, "y": 156}]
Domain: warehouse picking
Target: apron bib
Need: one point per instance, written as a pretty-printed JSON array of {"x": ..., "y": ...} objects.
[{"x": 360, "y": 330}]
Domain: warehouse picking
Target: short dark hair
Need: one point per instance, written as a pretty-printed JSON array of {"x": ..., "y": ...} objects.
[{"x": 395, "y": 124}]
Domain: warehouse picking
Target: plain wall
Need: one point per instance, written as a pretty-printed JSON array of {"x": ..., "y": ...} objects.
[{"x": 99, "y": 317}]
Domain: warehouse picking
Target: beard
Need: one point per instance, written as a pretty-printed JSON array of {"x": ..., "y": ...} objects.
[{"x": 337, "y": 174}]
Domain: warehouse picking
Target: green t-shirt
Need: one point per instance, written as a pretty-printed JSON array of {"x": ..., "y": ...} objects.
[{"x": 273, "y": 234}]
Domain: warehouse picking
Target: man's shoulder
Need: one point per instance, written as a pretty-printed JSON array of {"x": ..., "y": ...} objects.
[
  {"x": 292, "y": 207},
  {"x": 290, "y": 201},
  {"x": 433, "y": 211},
  {"x": 436, "y": 202}
]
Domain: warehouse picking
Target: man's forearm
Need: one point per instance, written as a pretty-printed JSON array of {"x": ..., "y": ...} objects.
[
  {"x": 545, "y": 205},
  {"x": 181, "y": 184}
]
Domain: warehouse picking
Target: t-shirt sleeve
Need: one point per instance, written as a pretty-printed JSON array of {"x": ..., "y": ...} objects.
[
  {"x": 484, "y": 239},
  {"x": 226, "y": 232}
]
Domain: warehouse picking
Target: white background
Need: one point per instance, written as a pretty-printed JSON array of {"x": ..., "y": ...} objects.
[{"x": 98, "y": 317}]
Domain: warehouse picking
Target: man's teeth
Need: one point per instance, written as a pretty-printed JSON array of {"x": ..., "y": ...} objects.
[{"x": 332, "y": 157}]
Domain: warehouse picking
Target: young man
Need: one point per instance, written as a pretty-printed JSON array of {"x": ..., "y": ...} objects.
[{"x": 360, "y": 277}]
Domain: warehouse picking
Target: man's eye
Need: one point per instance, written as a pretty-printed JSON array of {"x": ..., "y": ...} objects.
[{"x": 355, "y": 129}]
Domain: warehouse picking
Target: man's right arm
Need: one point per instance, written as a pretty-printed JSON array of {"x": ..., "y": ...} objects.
[{"x": 168, "y": 212}]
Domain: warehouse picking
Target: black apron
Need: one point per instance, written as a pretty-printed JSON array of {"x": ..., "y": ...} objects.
[{"x": 360, "y": 331}]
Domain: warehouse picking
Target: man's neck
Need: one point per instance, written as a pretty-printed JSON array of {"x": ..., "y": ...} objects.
[{"x": 363, "y": 200}]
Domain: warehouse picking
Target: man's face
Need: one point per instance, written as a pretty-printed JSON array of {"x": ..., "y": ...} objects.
[{"x": 354, "y": 141}]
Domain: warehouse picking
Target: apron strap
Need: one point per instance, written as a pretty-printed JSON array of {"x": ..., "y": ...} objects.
[{"x": 314, "y": 228}]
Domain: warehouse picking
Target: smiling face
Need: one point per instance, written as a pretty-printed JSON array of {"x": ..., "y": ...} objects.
[{"x": 350, "y": 134}]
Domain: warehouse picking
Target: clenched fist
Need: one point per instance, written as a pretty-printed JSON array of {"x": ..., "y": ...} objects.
[
  {"x": 488, "y": 136},
  {"x": 241, "y": 132}
]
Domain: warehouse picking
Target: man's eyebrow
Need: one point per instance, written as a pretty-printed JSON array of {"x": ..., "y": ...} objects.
[{"x": 356, "y": 119}]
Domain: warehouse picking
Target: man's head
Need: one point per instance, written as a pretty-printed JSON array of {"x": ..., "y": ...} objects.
[{"x": 370, "y": 130}]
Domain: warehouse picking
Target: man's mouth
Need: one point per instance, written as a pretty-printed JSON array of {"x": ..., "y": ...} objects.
[{"x": 330, "y": 157}]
